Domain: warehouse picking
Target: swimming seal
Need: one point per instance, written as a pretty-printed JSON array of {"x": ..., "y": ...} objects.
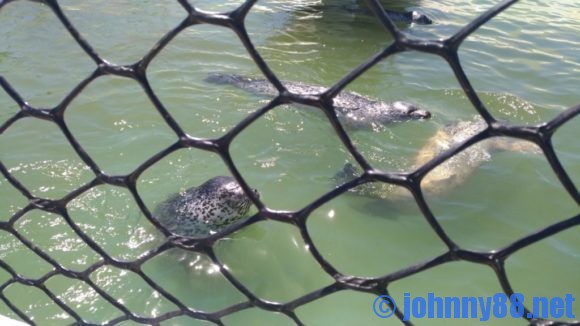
[
  {"x": 452, "y": 172},
  {"x": 203, "y": 210},
  {"x": 353, "y": 110}
]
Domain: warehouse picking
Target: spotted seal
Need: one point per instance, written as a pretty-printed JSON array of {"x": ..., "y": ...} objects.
[
  {"x": 353, "y": 110},
  {"x": 205, "y": 209},
  {"x": 451, "y": 173}
]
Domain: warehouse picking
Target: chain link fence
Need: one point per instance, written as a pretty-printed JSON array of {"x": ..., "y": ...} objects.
[{"x": 541, "y": 135}]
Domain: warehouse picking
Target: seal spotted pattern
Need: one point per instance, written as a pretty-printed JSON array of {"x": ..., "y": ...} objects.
[
  {"x": 352, "y": 109},
  {"x": 203, "y": 210},
  {"x": 452, "y": 172}
]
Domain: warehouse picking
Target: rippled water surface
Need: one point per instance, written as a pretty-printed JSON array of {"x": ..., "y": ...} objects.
[{"x": 524, "y": 64}]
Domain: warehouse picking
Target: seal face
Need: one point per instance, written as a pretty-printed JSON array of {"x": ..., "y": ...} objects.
[
  {"x": 200, "y": 211},
  {"x": 352, "y": 109}
]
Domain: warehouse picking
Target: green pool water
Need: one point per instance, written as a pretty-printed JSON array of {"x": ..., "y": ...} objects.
[{"x": 524, "y": 64}]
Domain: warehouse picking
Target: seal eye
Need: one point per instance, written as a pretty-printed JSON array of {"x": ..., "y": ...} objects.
[
  {"x": 420, "y": 113},
  {"x": 415, "y": 112}
]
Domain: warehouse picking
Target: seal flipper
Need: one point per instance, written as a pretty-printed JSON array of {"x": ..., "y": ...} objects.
[{"x": 349, "y": 172}]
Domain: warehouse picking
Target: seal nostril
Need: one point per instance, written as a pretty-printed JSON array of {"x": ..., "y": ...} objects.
[{"x": 419, "y": 18}]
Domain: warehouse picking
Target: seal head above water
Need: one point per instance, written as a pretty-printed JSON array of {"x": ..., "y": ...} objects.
[{"x": 200, "y": 211}]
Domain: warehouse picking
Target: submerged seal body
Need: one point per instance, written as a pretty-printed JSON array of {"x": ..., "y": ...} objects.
[
  {"x": 452, "y": 172},
  {"x": 353, "y": 110},
  {"x": 360, "y": 7},
  {"x": 202, "y": 210},
  {"x": 406, "y": 17}
]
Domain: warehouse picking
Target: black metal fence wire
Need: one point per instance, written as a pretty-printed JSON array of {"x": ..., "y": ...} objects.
[{"x": 235, "y": 20}]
